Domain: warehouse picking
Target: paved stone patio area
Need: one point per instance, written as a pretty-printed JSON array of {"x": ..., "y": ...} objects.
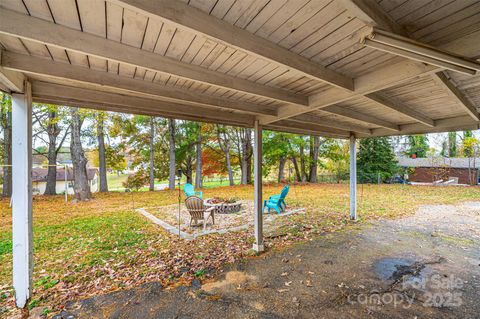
[{"x": 167, "y": 217}]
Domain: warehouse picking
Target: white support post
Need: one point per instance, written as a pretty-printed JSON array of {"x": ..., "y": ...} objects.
[
  {"x": 22, "y": 195},
  {"x": 353, "y": 178},
  {"x": 258, "y": 203}
]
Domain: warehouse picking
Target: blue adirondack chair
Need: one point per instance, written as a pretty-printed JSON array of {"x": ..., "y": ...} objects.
[
  {"x": 277, "y": 201},
  {"x": 190, "y": 191}
]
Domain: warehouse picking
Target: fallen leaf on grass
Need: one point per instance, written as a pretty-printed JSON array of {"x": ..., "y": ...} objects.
[{"x": 214, "y": 297}]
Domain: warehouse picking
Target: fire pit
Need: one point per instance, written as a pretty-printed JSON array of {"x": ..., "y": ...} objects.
[{"x": 224, "y": 206}]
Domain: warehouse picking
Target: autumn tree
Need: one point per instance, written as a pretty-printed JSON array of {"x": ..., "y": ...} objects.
[
  {"x": 50, "y": 120},
  {"x": 144, "y": 139},
  {"x": 186, "y": 152},
  {"x": 81, "y": 185},
  {"x": 337, "y": 155},
  {"x": 471, "y": 149},
  {"x": 276, "y": 150}
]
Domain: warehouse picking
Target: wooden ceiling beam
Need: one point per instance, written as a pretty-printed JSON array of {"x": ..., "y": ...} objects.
[
  {"x": 444, "y": 125},
  {"x": 38, "y": 30},
  {"x": 358, "y": 116},
  {"x": 160, "y": 108},
  {"x": 102, "y": 80},
  {"x": 13, "y": 81},
  {"x": 303, "y": 131},
  {"x": 400, "y": 108},
  {"x": 446, "y": 83},
  {"x": 313, "y": 127},
  {"x": 316, "y": 120},
  {"x": 199, "y": 22},
  {"x": 371, "y": 14}
]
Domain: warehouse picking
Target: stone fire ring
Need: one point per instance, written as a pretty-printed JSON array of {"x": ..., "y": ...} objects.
[{"x": 224, "y": 208}]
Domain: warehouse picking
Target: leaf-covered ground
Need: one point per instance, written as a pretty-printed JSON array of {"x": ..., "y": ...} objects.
[{"x": 103, "y": 245}]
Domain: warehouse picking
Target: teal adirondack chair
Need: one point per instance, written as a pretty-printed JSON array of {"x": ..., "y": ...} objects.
[
  {"x": 190, "y": 191},
  {"x": 277, "y": 201}
]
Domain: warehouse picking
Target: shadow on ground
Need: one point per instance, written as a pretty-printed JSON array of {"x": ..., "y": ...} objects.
[{"x": 425, "y": 266}]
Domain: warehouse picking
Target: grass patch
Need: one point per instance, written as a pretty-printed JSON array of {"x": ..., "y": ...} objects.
[{"x": 102, "y": 245}]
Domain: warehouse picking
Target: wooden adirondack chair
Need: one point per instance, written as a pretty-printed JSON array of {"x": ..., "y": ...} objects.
[
  {"x": 190, "y": 191},
  {"x": 277, "y": 201},
  {"x": 197, "y": 210}
]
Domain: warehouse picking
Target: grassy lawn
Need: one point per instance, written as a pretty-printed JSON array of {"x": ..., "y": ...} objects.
[
  {"x": 102, "y": 245},
  {"x": 115, "y": 181}
]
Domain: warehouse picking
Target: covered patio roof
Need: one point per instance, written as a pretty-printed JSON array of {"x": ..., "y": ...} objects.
[
  {"x": 331, "y": 68},
  {"x": 346, "y": 68}
]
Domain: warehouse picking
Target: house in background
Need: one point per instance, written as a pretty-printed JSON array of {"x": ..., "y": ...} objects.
[
  {"x": 39, "y": 180},
  {"x": 434, "y": 170}
]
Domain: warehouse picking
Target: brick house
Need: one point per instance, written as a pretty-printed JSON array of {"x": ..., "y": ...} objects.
[{"x": 430, "y": 170}]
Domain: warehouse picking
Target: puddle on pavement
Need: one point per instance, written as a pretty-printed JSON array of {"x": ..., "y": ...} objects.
[{"x": 396, "y": 268}]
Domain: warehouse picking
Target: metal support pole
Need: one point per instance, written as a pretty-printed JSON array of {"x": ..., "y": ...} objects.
[
  {"x": 22, "y": 235},
  {"x": 353, "y": 178},
  {"x": 258, "y": 203}
]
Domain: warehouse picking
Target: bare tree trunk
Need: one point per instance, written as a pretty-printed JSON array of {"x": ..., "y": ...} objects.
[
  {"x": 152, "y": 137},
  {"x": 188, "y": 169},
  {"x": 52, "y": 131},
  {"x": 6, "y": 118},
  {"x": 314, "y": 158},
  {"x": 248, "y": 154},
  {"x": 225, "y": 146},
  {"x": 244, "y": 156},
  {"x": 302, "y": 164},
  {"x": 244, "y": 179},
  {"x": 281, "y": 168},
  {"x": 229, "y": 169},
  {"x": 297, "y": 171},
  {"x": 101, "y": 153},
  {"x": 171, "y": 153},
  {"x": 81, "y": 186},
  {"x": 198, "y": 159}
]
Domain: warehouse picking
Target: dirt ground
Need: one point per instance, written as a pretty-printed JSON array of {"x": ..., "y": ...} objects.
[{"x": 424, "y": 266}]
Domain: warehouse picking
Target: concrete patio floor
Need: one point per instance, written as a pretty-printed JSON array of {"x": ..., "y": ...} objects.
[{"x": 425, "y": 266}]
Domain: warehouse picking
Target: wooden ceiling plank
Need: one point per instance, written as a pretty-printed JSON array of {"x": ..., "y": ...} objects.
[
  {"x": 200, "y": 22},
  {"x": 46, "y": 32},
  {"x": 375, "y": 15}
]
